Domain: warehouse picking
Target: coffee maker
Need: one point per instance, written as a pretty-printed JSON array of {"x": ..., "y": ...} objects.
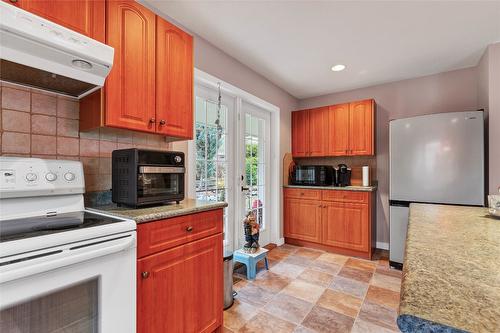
[{"x": 342, "y": 176}]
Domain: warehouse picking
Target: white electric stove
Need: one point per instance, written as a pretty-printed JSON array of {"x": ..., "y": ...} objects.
[{"x": 62, "y": 268}]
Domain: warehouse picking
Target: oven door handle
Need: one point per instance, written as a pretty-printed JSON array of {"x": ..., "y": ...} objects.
[
  {"x": 54, "y": 258},
  {"x": 161, "y": 169}
]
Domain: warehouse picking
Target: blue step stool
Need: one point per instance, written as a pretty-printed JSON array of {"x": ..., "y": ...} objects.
[{"x": 250, "y": 260}]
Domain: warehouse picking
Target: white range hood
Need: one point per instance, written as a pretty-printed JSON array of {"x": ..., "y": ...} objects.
[{"x": 45, "y": 55}]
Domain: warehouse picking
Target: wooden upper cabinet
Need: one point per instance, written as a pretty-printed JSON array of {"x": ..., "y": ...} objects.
[
  {"x": 180, "y": 289},
  {"x": 338, "y": 119},
  {"x": 174, "y": 80},
  {"x": 130, "y": 86},
  {"x": 300, "y": 133},
  {"x": 336, "y": 130},
  {"x": 302, "y": 219},
  {"x": 361, "y": 128},
  {"x": 83, "y": 16},
  {"x": 318, "y": 132}
]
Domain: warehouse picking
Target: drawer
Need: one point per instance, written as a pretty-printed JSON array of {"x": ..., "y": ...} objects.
[
  {"x": 160, "y": 235},
  {"x": 302, "y": 193},
  {"x": 345, "y": 196}
]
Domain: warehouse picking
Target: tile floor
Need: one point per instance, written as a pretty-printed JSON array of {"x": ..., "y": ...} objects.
[{"x": 308, "y": 290}]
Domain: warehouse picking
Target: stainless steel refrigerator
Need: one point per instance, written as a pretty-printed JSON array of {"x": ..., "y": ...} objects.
[{"x": 437, "y": 158}]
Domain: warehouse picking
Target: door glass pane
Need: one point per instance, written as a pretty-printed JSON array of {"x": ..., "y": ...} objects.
[
  {"x": 73, "y": 309},
  {"x": 211, "y": 152},
  {"x": 255, "y": 166}
]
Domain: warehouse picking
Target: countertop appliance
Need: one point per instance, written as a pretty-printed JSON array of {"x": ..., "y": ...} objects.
[
  {"x": 147, "y": 177},
  {"x": 437, "y": 158},
  {"x": 43, "y": 54},
  {"x": 342, "y": 175},
  {"x": 313, "y": 175},
  {"x": 62, "y": 267}
]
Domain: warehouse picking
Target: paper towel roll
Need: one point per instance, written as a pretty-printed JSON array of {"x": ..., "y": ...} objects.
[{"x": 366, "y": 175}]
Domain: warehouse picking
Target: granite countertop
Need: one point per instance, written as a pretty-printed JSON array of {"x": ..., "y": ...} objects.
[
  {"x": 344, "y": 188},
  {"x": 451, "y": 274},
  {"x": 147, "y": 214}
]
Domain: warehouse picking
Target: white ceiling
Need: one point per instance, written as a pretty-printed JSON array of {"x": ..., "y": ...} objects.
[{"x": 294, "y": 44}]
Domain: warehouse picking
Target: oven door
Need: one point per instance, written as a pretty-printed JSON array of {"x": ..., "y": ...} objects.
[
  {"x": 87, "y": 286},
  {"x": 160, "y": 184}
]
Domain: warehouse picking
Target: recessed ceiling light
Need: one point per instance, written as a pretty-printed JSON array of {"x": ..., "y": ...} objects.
[{"x": 338, "y": 68}]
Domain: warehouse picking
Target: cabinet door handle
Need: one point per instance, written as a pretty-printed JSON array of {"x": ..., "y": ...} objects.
[
  {"x": 162, "y": 122},
  {"x": 152, "y": 120},
  {"x": 145, "y": 275},
  {"x": 189, "y": 229}
]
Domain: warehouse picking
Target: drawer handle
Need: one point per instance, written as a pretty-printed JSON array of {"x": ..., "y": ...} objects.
[
  {"x": 301, "y": 193},
  {"x": 189, "y": 229},
  {"x": 145, "y": 275}
]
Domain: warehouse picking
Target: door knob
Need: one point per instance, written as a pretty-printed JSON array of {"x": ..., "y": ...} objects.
[
  {"x": 189, "y": 229},
  {"x": 152, "y": 120},
  {"x": 162, "y": 122},
  {"x": 145, "y": 275}
]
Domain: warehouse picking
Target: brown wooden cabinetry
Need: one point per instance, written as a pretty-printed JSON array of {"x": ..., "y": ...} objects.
[
  {"x": 174, "y": 80},
  {"x": 130, "y": 86},
  {"x": 303, "y": 219},
  {"x": 336, "y": 130},
  {"x": 300, "y": 133},
  {"x": 150, "y": 87},
  {"x": 318, "y": 132},
  {"x": 179, "y": 274},
  {"x": 338, "y": 221},
  {"x": 83, "y": 16}
]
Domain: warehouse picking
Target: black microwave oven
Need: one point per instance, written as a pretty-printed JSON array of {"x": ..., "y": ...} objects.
[
  {"x": 147, "y": 177},
  {"x": 313, "y": 175}
]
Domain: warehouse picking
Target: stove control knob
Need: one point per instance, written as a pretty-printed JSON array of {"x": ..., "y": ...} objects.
[
  {"x": 51, "y": 176},
  {"x": 69, "y": 176},
  {"x": 31, "y": 177},
  {"x": 178, "y": 159}
]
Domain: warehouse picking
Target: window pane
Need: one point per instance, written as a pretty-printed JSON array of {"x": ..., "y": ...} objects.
[{"x": 200, "y": 141}]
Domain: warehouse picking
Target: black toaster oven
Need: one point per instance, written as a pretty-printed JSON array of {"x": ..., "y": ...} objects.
[{"x": 147, "y": 177}]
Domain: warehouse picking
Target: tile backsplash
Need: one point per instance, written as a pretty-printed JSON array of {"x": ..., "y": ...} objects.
[{"x": 41, "y": 124}]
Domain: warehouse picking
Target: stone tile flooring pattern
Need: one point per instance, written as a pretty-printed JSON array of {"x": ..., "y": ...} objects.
[{"x": 309, "y": 291}]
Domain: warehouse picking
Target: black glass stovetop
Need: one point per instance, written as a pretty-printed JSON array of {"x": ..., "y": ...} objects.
[{"x": 35, "y": 226}]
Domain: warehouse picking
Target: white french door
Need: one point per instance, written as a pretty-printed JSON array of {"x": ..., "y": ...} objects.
[
  {"x": 254, "y": 156},
  {"x": 230, "y": 161}
]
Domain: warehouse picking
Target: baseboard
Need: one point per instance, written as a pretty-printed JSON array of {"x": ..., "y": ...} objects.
[
  {"x": 280, "y": 241},
  {"x": 382, "y": 246}
]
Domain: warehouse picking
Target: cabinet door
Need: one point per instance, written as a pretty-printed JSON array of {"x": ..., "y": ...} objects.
[
  {"x": 318, "y": 131},
  {"x": 180, "y": 290},
  {"x": 338, "y": 137},
  {"x": 361, "y": 123},
  {"x": 303, "y": 219},
  {"x": 83, "y": 16},
  {"x": 300, "y": 133},
  {"x": 130, "y": 87},
  {"x": 174, "y": 80},
  {"x": 346, "y": 225}
]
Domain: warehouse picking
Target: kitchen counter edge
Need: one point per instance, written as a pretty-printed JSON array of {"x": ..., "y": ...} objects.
[
  {"x": 148, "y": 214},
  {"x": 335, "y": 188}
]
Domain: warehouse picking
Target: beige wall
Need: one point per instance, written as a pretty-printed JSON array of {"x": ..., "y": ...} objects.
[
  {"x": 494, "y": 118},
  {"x": 488, "y": 95},
  {"x": 444, "y": 92}
]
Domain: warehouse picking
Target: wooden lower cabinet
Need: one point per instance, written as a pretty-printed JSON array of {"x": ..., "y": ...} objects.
[
  {"x": 179, "y": 290},
  {"x": 346, "y": 225},
  {"x": 341, "y": 221},
  {"x": 303, "y": 219}
]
